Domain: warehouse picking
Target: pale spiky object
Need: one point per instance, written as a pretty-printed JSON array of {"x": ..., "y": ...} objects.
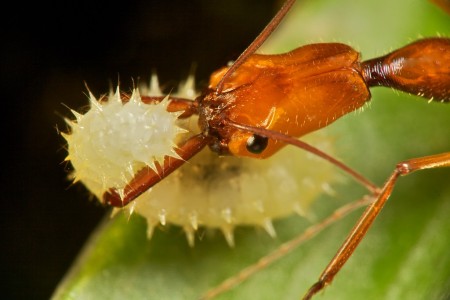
[
  {"x": 117, "y": 138},
  {"x": 208, "y": 191}
]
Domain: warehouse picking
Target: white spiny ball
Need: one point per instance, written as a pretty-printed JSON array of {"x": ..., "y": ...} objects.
[{"x": 116, "y": 138}]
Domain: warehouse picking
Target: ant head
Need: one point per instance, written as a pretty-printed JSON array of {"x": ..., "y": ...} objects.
[
  {"x": 235, "y": 104},
  {"x": 220, "y": 96}
]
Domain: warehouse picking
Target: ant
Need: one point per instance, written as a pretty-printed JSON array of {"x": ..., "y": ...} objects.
[{"x": 263, "y": 102}]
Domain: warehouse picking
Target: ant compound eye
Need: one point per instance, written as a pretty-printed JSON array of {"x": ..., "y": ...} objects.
[{"x": 256, "y": 143}]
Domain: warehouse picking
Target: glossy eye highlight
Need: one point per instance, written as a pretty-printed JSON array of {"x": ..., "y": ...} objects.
[{"x": 257, "y": 144}]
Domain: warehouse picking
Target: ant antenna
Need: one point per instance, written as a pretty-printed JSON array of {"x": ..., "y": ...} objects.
[
  {"x": 260, "y": 39},
  {"x": 274, "y": 135}
]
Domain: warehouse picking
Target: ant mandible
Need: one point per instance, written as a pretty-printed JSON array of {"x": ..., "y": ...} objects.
[{"x": 248, "y": 109}]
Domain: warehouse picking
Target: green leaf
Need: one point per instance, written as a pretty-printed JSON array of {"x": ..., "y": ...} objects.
[{"x": 404, "y": 256}]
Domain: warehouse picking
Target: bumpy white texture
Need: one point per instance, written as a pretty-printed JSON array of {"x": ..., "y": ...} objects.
[
  {"x": 207, "y": 191},
  {"x": 117, "y": 138},
  {"x": 225, "y": 192}
]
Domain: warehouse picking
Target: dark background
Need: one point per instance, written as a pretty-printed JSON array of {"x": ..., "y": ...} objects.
[{"x": 48, "y": 50}]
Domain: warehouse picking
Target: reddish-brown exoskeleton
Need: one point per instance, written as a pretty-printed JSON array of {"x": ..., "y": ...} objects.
[{"x": 264, "y": 102}]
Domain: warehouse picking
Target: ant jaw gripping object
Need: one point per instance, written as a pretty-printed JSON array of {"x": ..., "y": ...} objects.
[{"x": 179, "y": 198}]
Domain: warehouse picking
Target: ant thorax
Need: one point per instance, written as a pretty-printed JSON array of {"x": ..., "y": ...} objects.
[{"x": 116, "y": 138}]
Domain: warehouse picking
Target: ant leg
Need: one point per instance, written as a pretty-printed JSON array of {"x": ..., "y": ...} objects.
[
  {"x": 286, "y": 248},
  {"x": 369, "y": 215},
  {"x": 278, "y": 136}
]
